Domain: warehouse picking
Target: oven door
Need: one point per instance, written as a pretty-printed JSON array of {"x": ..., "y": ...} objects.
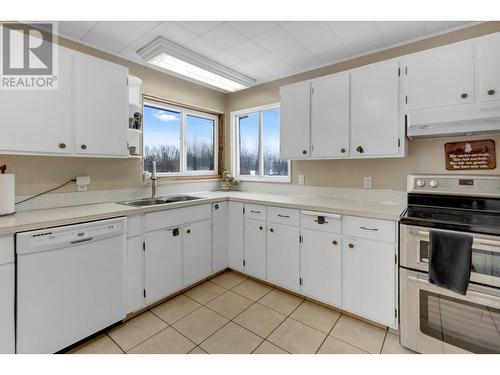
[
  {"x": 485, "y": 254},
  {"x": 437, "y": 320}
]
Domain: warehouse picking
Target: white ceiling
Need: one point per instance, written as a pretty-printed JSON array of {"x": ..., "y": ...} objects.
[{"x": 263, "y": 50}]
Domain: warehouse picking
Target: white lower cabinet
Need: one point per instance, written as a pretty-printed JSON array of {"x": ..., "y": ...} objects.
[
  {"x": 321, "y": 266},
  {"x": 255, "y": 248},
  {"x": 196, "y": 251},
  {"x": 283, "y": 259},
  {"x": 219, "y": 236},
  {"x": 368, "y": 279},
  {"x": 7, "y": 296},
  {"x": 163, "y": 263},
  {"x": 235, "y": 229}
]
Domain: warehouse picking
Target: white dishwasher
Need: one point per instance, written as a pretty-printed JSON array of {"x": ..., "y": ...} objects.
[{"x": 70, "y": 283}]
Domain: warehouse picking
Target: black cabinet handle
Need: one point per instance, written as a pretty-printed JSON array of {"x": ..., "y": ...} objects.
[
  {"x": 62, "y": 145},
  {"x": 491, "y": 92},
  {"x": 216, "y": 206},
  {"x": 84, "y": 147},
  {"x": 304, "y": 152},
  {"x": 334, "y": 242},
  {"x": 342, "y": 150},
  {"x": 360, "y": 149},
  {"x": 255, "y": 212},
  {"x": 464, "y": 95},
  {"x": 260, "y": 227},
  {"x": 351, "y": 246},
  {"x": 286, "y": 216},
  {"x": 188, "y": 231},
  {"x": 271, "y": 230}
]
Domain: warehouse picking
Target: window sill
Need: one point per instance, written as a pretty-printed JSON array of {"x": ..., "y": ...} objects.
[
  {"x": 281, "y": 179},
  {"x": 181, "y": 178}
]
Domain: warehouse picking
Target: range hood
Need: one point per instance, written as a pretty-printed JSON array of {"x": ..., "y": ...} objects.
[{"x": 471, "y": 119}]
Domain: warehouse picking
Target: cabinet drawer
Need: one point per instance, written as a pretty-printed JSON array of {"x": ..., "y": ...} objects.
[
  {"x": 255, "y": 211},
  {"x": 6, "y": 249},
  {"x": 287, "y": 216},
  {"x": 178, "y": 216},
  {"x": 134, "y": 225},
  {"x": 326, "y": 222},
  {"x": 373, "y": 229}
]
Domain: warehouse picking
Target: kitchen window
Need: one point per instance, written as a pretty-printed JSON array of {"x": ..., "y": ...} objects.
[
  {"x": 256, "y": 146},
  {"x": 183, "y": 142}
]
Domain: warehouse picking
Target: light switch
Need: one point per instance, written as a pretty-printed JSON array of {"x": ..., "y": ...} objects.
[
  {"x": 367, "y": 182},
  {"x": 301, "y": 179}
]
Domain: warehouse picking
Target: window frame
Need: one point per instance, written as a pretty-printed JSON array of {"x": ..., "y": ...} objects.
[
  {"x": 184, "y": 112},
  {"x": 235, "y": 146}
]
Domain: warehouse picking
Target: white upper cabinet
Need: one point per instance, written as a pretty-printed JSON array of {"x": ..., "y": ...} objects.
[
  {"x": 488, "y": 68},
  {"x": 295, "y": 121},
  {"x": 440, "y": 77},
  {"x": 39, "y": 121},
  {"x": 101, "y": 110},
  {"x": 375, "y": 125},
  {"x": 330, "y": 116}
]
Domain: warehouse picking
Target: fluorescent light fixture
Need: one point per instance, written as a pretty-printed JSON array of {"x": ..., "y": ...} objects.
[{"x": 183, "y": 62}]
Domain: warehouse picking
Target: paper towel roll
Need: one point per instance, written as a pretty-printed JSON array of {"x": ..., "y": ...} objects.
[{"x": 7, "y": 193}]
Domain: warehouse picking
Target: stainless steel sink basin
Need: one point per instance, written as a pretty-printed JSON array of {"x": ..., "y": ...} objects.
[{"x": 162, "y": 200}]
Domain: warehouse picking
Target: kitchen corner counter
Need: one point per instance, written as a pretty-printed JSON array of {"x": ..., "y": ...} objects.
[{"x": 45, "y": 218}]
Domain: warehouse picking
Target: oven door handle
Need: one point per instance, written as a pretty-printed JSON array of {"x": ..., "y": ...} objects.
[
  {"x": 476, "y": 241},
  {"x": 473, "y": 289}
]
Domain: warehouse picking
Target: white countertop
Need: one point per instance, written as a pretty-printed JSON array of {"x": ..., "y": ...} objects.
[{"x": 38, "y": 219}]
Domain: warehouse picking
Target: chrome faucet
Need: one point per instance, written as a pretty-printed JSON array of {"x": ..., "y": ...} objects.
[{"x": 154, "y": 183}]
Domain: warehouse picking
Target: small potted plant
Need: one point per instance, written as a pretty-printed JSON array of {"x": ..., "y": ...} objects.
[{"x": 228, "y": 181}]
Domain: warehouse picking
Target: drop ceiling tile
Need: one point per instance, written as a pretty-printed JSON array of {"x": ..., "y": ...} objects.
[
  {"x": 358, "y": 36},
  {"x": 247, "y": 50},
  {"x": 252, "y": 28},
  {"x": 316, "y": 37},
  {"x": 395, "y": 32},
  {"x": 332, "y": 56},
  {"x": 112, "y": 36},
  {"x": 75, "y": 29},
  {"x": 274, "y": 38},
  {"x": 203, "y": 47},
  {"x": 144, "y": 25},
  {"x": 297, "y": 56},
  {"x": 200, "y": 27},
  {"x": 247, "y": 69},
  {"x": 224, "y": 36},
  {"x": 226, "y": 59},
  {"x": 438, "y": 26},
  {"x": 174, "y": 32},
  {"x": 276, "y": 67}
]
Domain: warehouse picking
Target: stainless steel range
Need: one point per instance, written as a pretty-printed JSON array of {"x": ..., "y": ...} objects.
[{"x": 434, "y": 319}]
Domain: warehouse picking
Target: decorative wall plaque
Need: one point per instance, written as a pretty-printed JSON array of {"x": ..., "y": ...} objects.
[{"x": 470, "y": 155}]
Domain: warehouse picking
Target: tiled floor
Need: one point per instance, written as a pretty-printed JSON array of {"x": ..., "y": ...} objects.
[{"x": 234, "y": 314}]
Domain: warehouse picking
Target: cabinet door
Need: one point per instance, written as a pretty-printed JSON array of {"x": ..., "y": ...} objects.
[
  {"x": 330, "y": 117},
  {"x": 197, "y": 251},
  {"x": 488, "y": 63},
  {"x": 255, "y": 248},
  {"x": 39, "y": 121},
  {"x": 321, "y": 266},
  {"x": 374, "y": 110},
  {"x": 295, "y": 121},
  {"x": 441, "y": 77},
  {"x": 368, "y": 279},
  {"x": 101, "y": 113},
  {"x": 283, "y": 259},
  {"x": 135, "y": 274},
  {"x": 235, "y": 235},
  {"x": 219, "y": 236},
  {"x": 7, "y": 345},
  {"x": 163, "y": 263}
]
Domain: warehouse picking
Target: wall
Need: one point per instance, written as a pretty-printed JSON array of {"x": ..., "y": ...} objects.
[
  {"x": 424, "y": 156},
  {"x": 38, "y": 173}
]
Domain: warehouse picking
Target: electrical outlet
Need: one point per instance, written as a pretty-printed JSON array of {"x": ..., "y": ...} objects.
[
  {"x": 301, "y": 179},
  {"x": 367, "y": 182},
  {"x": 82, "y": 182}
]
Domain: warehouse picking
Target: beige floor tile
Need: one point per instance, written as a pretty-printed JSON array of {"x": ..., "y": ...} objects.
[
  {"x": 228, "y": 279},
  {"x": 231, "y": 339},
  {"x": 197, "y": 350},
  {"x": 267, "y": 348},
  {"x": 316, "y": 316},
  {"x": 175, "y": 309},
  {"x": 168, "y": 341},
  {"x": 137, "y": 330},
  {"x": 281, "y": 301},
  {"x": 229, "y": 304},
  {"x": 363, "y": 335},
  {"x": 205, "y": 292},
  {"x": 200, "y": 324},
  {"x": 335, "y": 346},
  {"x": 297, "y": 338},
  {"x": 252, "y": 289},
  {"x": 392, "y": 345},
  {"x": 260, "y": 319},
  {"x": 99, "y": 345}
]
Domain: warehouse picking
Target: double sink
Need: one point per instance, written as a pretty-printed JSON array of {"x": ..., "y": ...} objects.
[{"x": 161, "y": 200}]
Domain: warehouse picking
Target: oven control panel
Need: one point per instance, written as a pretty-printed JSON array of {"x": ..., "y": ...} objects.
[{"x": 455, "y": 184}]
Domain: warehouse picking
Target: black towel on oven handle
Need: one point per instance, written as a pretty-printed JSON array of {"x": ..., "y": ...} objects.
[{"x": 450, "y": 258}]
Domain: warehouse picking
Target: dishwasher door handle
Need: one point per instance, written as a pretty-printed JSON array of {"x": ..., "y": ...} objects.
[{"x": 82, "y": 240}]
